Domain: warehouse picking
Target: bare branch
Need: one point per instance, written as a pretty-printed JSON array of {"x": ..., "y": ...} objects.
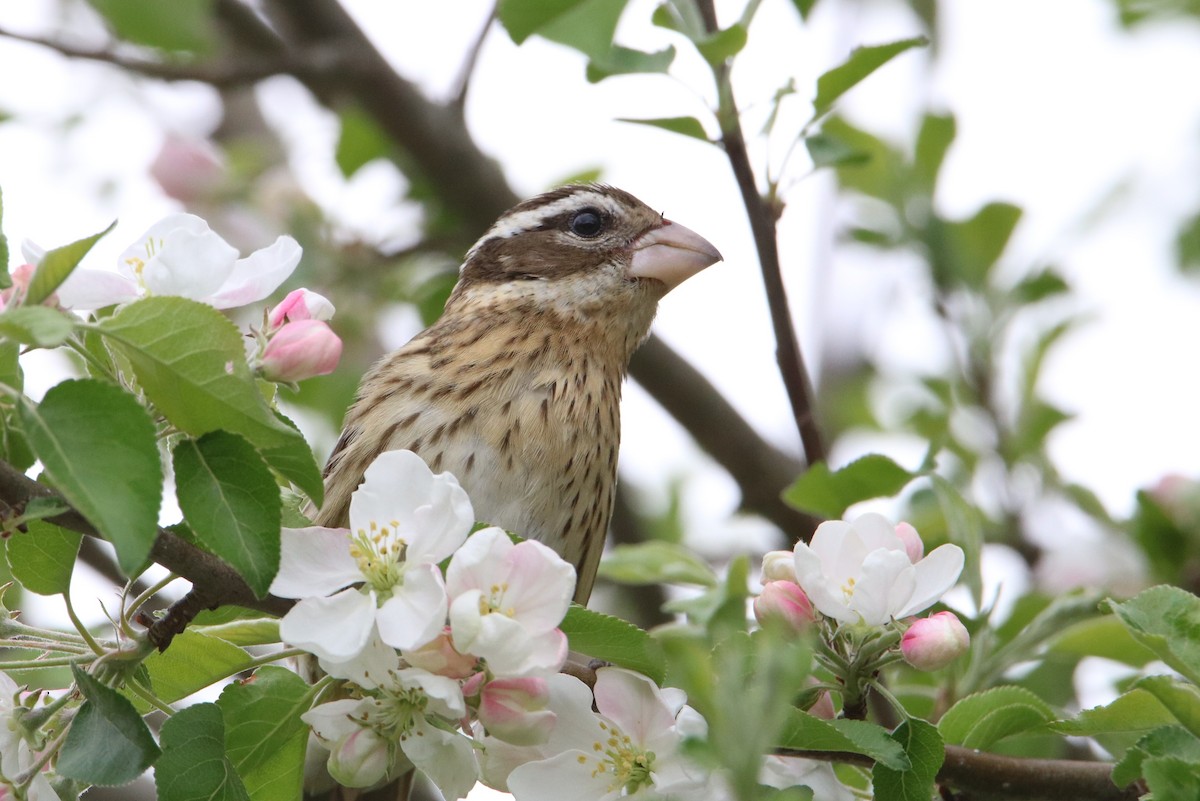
[{"x": 218, "y": 582}]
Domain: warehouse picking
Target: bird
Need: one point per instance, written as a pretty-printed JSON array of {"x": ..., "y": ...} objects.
[{"x": 516, "y": 388}]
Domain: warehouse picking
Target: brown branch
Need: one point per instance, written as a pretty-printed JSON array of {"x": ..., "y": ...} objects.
[
  {"x": 217, "y": 583},
  {"x": 762, "y": 224},
  {"x": 218, "y": 74}
]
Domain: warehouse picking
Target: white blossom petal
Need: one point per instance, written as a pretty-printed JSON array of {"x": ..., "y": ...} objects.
[
  {"x": 448, "y": 759},
  {"x": 94, "y": 289},
  {"x": 883, "y": 571},
  {"x": 567, "y": 776},
  {"x": 935, "y": 575},
  {"x": 416, "y": 612},
  {"x": 314, "y": 561},
  {"x": 258, "y": 275},
  {"x": 335, "y": 628}
]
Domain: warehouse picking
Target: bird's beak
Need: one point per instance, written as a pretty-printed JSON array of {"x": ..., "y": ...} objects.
[{"x": 671, "y": 253}]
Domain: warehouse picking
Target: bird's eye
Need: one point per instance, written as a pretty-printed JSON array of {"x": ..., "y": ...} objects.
[{"x": 587, "y": 223}]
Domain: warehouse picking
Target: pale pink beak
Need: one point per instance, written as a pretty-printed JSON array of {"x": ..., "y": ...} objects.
[{"x": 671, "y": 253}]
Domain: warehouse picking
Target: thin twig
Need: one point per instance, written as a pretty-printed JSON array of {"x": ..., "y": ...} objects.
[
  {"x": 468, "y": 67},
  {"x": 762, "y": 224}
]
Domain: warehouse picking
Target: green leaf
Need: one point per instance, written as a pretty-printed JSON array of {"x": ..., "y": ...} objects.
[
  {"x": 108, "y": 742},
  {"x": 862, "y": 62},
  {"x": 43, "y": 557},
  {"x": 265, "y": 737},
  {"x": 36, "y": 325},
  {"x": 360, "y": 142},
  {"x": 57, "y": 264},
  {"x": 807, "y": 732},
  {"x": 242, "y": 631},
  {"x": 656, "y": 562},
  {"x": 924, "y": 748},
  {"x": 613, "y": 640},
  {"x": 618, "y": 60},
  {"x": 975, "y": 244},
  {"x": 827, "y": 151},
  {"x": 1170, "y": 778},
  {"x": 984, "y": 719},
  {"x": 194, "y": 765},
  {"x": 828, "y": 494},
  {"x": 723, "y": 45},
  {"x": 1187, "y": 245},
  {"x": 805, "y": 7},
  {"x": 964, "y": 528},
  {"x": 232, "y": 504},
  {"x": 688, "y": 126},
  {"x": 190, "y": 360},
  {"x": 180, "y": 25},
  {"x": 588, "y": 26},
  {"x": 1047, "y": 283},
  {"x": 1181, "y": 700},
  {"x": 933, "y": 140},
  {"x": 98, "y": 446},
  {"x": 1135, "y": 711},
  {"x": 194, "y": 661},
  {"x": 881, "y": 175},
  {"x": 294, "y": 461},
  {"x": 523, "y": 18},
  {"x": 1106, "y": 637},
  {"x": 1172, "y": 741},
  {"x": 1167, "y": 621}
]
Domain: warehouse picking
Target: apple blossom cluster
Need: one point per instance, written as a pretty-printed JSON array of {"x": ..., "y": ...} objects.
[
  {"x": 21, "y": 774},
  {"x": 181, "y": 256},
  {"x": 861, "y": 582},
  {"x": 457, "y": 675}
]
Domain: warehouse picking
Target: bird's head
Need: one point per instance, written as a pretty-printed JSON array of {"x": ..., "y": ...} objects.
[{"x": 584, "y": 245}]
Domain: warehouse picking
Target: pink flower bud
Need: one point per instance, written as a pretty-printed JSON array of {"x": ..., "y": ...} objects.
[
  {"x": 188, "y": 169},
  {"x": 912, "y": 542},
  {"x": 300, "y": 350},
  {"x": 784, "y": 600},
  {"x": 300, "y": 304},
  {"x": 439, "y": 656},
  {"x": 778, "y": 566},
  {"x": 514, "y": 710},
  {"x": 934, "y": 642}
]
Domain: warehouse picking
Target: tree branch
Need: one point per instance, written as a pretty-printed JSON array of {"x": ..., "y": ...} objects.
[
  {"x": 762, "y": 224},
  {"x": 214, "y": 582}
]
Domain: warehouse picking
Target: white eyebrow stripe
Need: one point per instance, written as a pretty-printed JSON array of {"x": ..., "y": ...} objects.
[{"x": 512, "y": 224}]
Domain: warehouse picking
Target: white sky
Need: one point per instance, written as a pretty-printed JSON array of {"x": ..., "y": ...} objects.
[{"x": 1056, "y": 109}]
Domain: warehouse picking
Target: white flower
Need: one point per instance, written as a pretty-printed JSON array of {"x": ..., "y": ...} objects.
[
  {"x": 413, "y": 713},
  {"x": 180, "y": 255},
  {"x": 861, "y": 572},
  {"x": 403, "y": 521},
  {"x": 507, "y": 601},
  {"x": 631, "y": 746},
  {"x": 783, "y": 772}
]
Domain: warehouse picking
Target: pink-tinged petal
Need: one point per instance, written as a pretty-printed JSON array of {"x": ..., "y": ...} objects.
[
  {"x": 632, "y": 701},
  {"x": 253, "y": 278},
  {"x": 935, "y": 575},
  {"x": 300, "y": 304},
  {"x": 885, "y": 574},
  {"x": 476, "y": 564},
  {"x": 913, "y": 545},
  {"x": 934, "y": 642},
  {"x": 784, "y": 601},
  {"x": 370, "y": 668},
  {"x": 440, "y": 656},
  {"x": 314, "y": 561},
  {"x": 336, "y": 628},
  {"x": 569, "y": 776},
  {"x": 515, "y": 710},
  {"x": 416, "y": 612},
  {"x": 541, "y": 585},
  {"x": 94, "y": 289}
]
